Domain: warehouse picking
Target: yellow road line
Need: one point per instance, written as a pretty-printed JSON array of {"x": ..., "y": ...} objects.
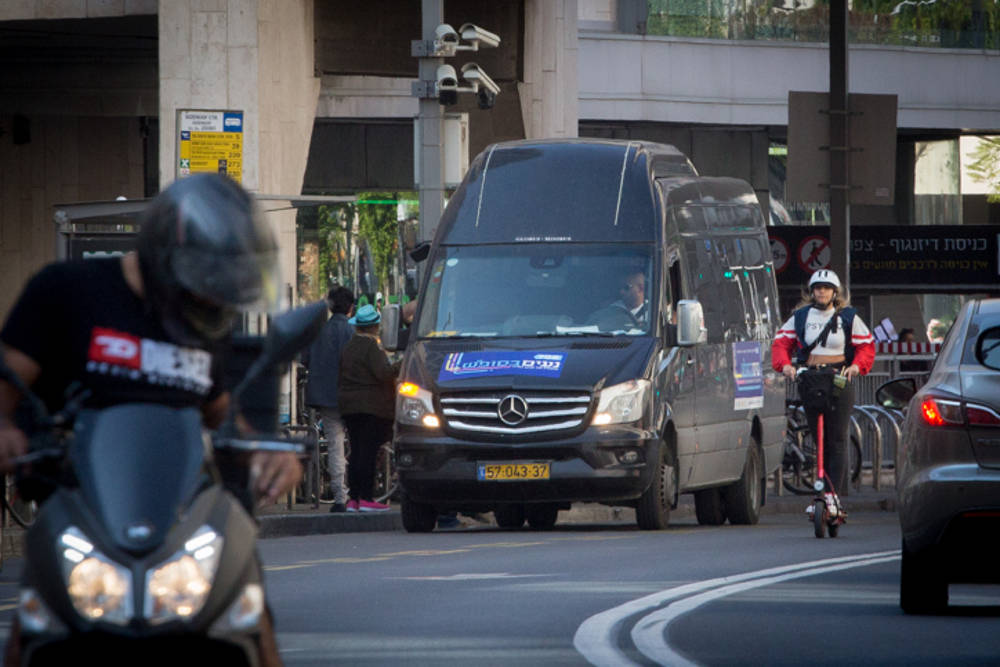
[{"x": 423, "y": 553}]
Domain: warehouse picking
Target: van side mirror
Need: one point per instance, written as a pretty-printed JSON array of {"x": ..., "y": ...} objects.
[
  {"x": 690, "y": 323},
  {"x": 420, "y": 252},
  {"x": 389, "y": 329}
]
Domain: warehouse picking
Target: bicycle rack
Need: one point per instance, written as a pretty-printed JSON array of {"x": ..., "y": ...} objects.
[{"x": 877, "y": 451}]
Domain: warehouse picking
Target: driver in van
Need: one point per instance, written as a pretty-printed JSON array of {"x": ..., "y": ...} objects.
[
  {"x": 150, "y": 326},
  {"x": 633, "y": 296}
]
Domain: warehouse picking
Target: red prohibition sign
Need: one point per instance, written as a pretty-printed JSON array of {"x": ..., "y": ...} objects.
[
  {"x": 780, "y": 254},
  {"x": 814, "y": 253}
]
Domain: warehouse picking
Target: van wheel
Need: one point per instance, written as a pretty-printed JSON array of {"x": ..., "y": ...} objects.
[
  {"x": 652, "y": 511},
  {"x": 542, "y": 517},
  {"x": 417, "y": 517},
  {"x": 509, "y": 516},
  {"x": 709, "y": 508},
  {"x": 744, "y": 497}
]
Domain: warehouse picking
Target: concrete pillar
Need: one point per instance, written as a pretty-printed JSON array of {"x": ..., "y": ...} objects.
[
  {"x": 550, "y": 91},
  {"x": 255, "y": 56}
]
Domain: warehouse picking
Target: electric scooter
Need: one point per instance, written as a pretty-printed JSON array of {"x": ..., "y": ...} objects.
[{"x": 826, "y": 512}]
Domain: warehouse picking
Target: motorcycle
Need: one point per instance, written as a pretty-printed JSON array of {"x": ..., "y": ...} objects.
[{"x": 139, "y": 553}]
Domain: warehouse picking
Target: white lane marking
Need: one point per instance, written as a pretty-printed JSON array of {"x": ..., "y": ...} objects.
[
  {"x": 597, "y": 637},
  {"x": 649, "y": 634},
  {"x": 474, "y": 576}
]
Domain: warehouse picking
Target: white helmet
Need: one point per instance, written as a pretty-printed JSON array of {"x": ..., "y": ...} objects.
[{"x": 824, "y": 277}]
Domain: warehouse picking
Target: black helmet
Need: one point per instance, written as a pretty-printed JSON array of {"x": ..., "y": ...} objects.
[{"x": 205, "y": 252}]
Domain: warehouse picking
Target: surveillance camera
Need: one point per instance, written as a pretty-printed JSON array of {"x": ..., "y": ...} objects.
[
  {"x": 485, "y": 98},
  {"x": 478, "y": 36},
  {"x": 446, "y": 85},
  {"x": 446, "y": 34},
  {"x": 480, "y": 80}
]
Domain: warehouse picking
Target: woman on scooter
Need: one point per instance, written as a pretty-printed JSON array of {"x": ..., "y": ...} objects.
[{"x": 825, "y": 333}]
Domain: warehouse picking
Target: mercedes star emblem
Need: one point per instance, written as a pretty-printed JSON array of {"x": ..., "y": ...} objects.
[{"x": 512, "y": 410}]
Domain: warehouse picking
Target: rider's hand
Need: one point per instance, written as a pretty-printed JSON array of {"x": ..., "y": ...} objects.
[
  {"x": 788, "y": 371},
  {"x": 13, "y": 443},
  {"x": 852, "y": 371},
  {"x": 274, "y": 474}
]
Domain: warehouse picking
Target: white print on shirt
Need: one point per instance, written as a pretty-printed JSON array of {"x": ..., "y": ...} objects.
[
  {"x": 815, "y": 323},
  {"x": 155, "y": 362}
]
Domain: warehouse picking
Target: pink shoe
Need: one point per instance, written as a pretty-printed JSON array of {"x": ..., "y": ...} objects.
[
  {"x": 371, "y": 506},
  {"x": 352, "y": 505}
]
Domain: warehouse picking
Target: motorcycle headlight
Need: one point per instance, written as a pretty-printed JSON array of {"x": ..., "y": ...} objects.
[
  {"x": 415, "y": 406},
  {"x": 621, "y": 403},
  {"x": 99, "y": 588},
  {"x": 177, "y": 588}
]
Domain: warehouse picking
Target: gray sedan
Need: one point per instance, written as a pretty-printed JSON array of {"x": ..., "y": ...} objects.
[{"x": 949, "y": 463}]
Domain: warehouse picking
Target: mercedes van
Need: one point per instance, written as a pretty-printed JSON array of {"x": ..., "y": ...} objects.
[{"x": 593, "y": 324}]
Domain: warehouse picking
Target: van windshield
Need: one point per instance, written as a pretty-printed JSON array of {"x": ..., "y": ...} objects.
[{"x": 545, "y": 289}]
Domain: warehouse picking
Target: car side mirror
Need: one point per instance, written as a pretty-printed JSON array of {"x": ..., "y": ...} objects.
[
  {"x": 896, "y": 394},
  {"x": 690, "y": 323},
  {"x": 988, "y": 348}
]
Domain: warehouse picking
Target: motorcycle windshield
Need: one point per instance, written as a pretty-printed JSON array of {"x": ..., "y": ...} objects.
[{"x": 136, "y": 465}]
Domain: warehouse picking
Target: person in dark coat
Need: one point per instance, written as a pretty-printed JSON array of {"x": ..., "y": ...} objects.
[{"x": 367, "y": 403}]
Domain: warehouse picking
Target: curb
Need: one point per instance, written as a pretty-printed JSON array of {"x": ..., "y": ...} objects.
[{"x": 289, "y": 525}]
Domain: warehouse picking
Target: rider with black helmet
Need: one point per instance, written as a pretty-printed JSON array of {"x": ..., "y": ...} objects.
[
  {"x": 151, "y": 325},
  {"x": 148, "y": 326}
]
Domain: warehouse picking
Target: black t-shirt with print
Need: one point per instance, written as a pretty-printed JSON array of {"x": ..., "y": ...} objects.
[{"x": 80, "y": 321}]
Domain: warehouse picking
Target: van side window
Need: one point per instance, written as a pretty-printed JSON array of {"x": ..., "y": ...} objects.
[{"x": 703, "y": 284}]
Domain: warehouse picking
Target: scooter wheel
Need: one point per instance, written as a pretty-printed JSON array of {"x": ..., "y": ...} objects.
[{"x": 819, "y": 519}]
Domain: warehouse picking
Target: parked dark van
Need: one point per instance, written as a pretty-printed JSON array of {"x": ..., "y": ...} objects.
[{"x": 594, "y": 324}]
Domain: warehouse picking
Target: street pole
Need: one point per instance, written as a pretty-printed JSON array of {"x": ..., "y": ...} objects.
[
  {"x": 840, "y": 182},
  {"x": 430, "y": 120}
]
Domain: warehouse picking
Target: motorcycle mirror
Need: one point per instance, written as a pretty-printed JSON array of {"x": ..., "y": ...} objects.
[
  {"x": 292, "y": 330},
  {"x": 288, "y": 333}
]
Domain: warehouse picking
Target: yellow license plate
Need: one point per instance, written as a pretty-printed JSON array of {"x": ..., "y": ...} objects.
[{"x": 514, "y": 470}]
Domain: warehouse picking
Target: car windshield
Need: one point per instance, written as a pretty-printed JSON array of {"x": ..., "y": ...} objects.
[{"x": 550, "y": 289}]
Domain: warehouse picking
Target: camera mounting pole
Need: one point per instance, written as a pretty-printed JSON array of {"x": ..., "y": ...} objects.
[{"x": 431, "y": 192}]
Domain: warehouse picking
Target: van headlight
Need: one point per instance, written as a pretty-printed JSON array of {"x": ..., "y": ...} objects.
[
  {"x": 621, "y": 403},
  {"x": 415, "y": 406},
  {"x": 178, "y": 587},
  {"x": 99, "y": 588}
]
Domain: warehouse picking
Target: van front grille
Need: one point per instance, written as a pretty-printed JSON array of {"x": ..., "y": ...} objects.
[{"x": 514, "y": 412}]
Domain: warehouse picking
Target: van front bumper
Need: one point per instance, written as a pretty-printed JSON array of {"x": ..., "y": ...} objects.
[{"x": 596, "y": 466}]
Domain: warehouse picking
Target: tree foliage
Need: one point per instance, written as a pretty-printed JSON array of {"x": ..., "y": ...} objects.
[
  {"x": 377, "y": 225},
  {"x": 985, "y": 166}
]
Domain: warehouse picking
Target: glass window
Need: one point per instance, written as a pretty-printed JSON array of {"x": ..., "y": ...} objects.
[{"x": 540, "y": 290}]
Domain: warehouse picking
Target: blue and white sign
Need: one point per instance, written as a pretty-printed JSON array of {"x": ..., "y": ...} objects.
[
  {"x": 459, "y": 365},
  {"x": 748, "y": 375}
]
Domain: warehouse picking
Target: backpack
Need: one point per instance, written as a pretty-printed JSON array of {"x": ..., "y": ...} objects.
[{"x": 846, "y": 320}]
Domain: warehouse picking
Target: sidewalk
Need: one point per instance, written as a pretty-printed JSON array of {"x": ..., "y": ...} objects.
[{"x": 279, "y": 521}]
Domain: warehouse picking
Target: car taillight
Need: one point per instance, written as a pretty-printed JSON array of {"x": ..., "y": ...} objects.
[
  {"x": 939, "y": 412},
  {"x": 980, "y": 415}
]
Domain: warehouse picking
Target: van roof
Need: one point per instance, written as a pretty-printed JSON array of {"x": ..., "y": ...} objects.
[{"x": 561, "y": 190}]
